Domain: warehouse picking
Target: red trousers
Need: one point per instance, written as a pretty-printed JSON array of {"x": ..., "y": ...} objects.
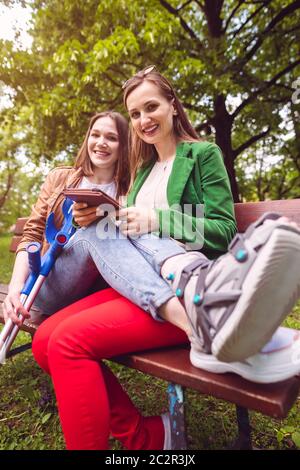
[{"x": 70, "y": 345}]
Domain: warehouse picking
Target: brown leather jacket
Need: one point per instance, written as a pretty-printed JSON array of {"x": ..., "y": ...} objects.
[{"x": 49, "y": 200}]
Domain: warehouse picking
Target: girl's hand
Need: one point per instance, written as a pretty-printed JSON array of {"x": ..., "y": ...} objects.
[
  {"x": 12, "y": 306},
  {"x": 83, "y": 214},
  {"x": 137, "y": 220}
]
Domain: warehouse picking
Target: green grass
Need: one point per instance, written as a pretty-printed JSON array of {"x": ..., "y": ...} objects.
[
  {"x": 29, "y": 419},
  {"x": 6, "y": 259}
]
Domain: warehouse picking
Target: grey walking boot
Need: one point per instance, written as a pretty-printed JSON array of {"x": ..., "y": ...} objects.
[{"x": 235, "y": 303}]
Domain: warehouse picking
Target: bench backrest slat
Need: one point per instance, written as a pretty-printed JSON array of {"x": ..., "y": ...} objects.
[
  {"x": 248, "y": 212},
  {"x": 18, "y": 231},
  {"x": 245, "y": 213},
  {"x": 20, "y": 225},
  {"x": 14, "y": 243}
]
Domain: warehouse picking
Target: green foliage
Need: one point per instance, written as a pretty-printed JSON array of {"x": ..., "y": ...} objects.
[
  {"x": 7, "y": 259},
  {"x": 233, "y": 64},
  {"x": 289, "y": 433},
  {"x": 21, "y": 197},
  {"x": 263, "y": 176},
  {"x": 28, "y": 414}
]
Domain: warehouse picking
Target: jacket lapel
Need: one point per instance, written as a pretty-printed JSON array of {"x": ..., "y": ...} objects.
[{"x": 182, "y": 168}]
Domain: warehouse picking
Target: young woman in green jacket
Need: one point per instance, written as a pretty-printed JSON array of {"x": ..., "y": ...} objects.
[{"x": 180, "y": 201}]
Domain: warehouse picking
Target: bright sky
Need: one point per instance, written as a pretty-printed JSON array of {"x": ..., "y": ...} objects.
[
  {"x": 12, "y": 20},
  {"x": 15, "y": 19}
]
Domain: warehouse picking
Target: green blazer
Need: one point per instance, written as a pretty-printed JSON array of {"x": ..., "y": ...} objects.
[{"x": 198, "y": 177}]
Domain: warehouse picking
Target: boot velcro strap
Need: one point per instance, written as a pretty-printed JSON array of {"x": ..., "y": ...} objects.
[
  {"x": 237, "y": 244},
  {"x": 186, "y": 274},
  {"x": 201, "y": 279},
  {"x": 214, "y": 299},
  {"x": 204, "y": 326},
  {"x": 260, "y": 221},
  {"x": 203, "y": 321}
]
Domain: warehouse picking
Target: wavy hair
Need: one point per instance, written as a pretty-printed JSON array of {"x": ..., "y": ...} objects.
[
  {"x": 122, "y": 170},
  {"x": 142, "y": 153}
]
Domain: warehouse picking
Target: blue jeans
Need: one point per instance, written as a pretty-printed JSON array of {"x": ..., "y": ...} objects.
[{"x": 130, "y": 266}]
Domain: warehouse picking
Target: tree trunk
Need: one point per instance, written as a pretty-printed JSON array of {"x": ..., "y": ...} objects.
[
  {"x": 4, "y": 195},
  {"x": 222, "y": 122},
  {"x": 212, "y": 10}
]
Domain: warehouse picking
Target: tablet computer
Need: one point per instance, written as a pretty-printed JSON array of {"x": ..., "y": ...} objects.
[{"x": 93, "y": 197}]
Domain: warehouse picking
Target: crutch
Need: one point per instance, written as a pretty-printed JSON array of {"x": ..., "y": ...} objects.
[{"x": 39, "y": 270}]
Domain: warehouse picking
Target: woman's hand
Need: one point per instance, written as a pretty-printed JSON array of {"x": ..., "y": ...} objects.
[
  {"x": 137, "y": 220},
  {"x": 12, "y": 306},
  {"x": 83, "y": 214}
]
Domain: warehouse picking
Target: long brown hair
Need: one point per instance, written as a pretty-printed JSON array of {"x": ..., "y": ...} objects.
[
  {"x": 122, "y": 171},
  {"x": 142, "y": 153}
]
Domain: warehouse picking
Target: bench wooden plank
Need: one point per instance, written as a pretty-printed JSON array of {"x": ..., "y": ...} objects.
[
  {"x": 173, "y": 364},
  {"x": 30, "y": 326},
  {"x": 18, "y": 231},
  {"x": 14, "y": 243},
  {"x": 247, "y": 212},
  {"x": 21, "y": 221}
]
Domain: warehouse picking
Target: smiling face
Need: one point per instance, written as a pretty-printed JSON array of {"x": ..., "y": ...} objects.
[
  {"x": 151, "y": 114},
  {"x": 103, "y": 143}
]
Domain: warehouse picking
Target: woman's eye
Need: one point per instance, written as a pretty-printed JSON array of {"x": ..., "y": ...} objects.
[
  {"x": 113, "y": 138},
  {"x": 135, "y": 115},
  {"x": 151, "y": 107}
]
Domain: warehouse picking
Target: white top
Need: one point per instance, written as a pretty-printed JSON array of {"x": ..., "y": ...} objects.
[
  {"x": 108, "y": 188},
  {"x": 153, "y": 193}
]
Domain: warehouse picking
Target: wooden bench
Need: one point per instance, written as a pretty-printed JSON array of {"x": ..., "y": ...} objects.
[{"x": 173, "y": 364}]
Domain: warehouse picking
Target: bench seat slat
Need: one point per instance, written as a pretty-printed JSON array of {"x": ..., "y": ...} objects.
[
  {"x": 173, "y": 364},
  {"x": 29, "y": 326}
]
